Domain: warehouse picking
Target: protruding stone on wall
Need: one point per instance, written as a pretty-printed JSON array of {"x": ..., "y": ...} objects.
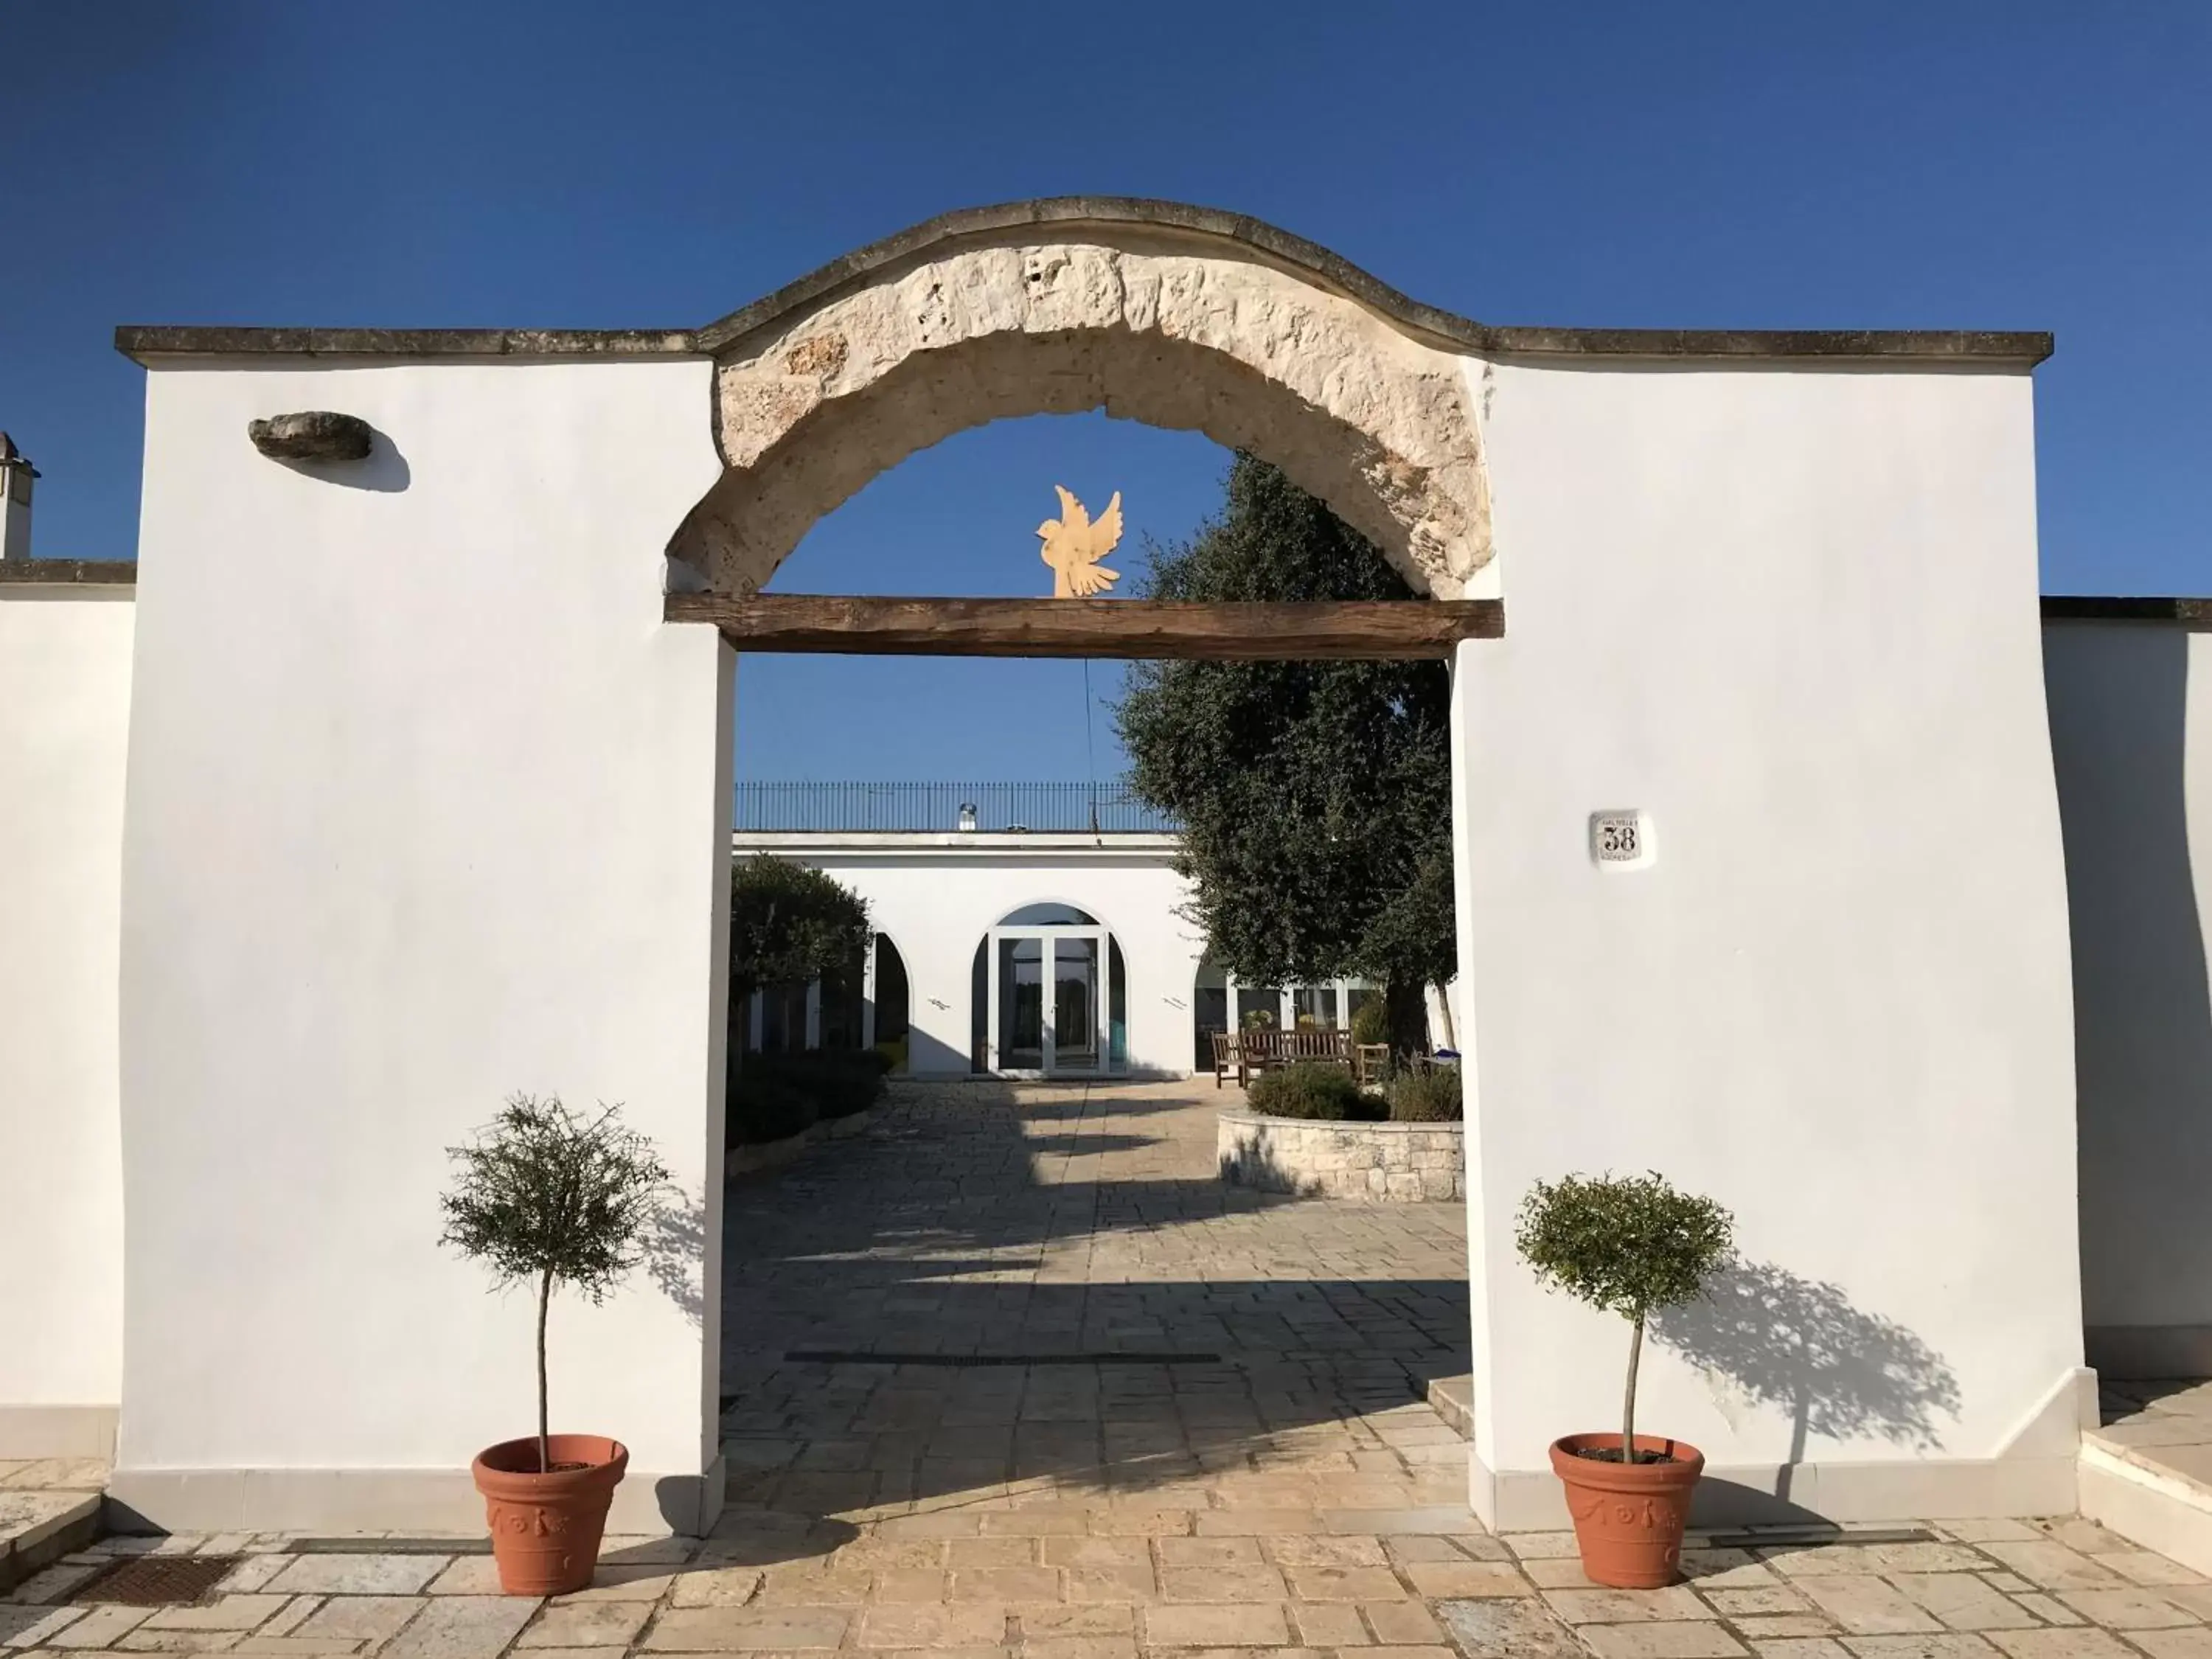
[
  {"x": 315, "y": 435},
  {"x": 1355, "y": 410}
]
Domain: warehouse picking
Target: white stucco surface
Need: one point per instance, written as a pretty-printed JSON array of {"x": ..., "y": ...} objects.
[
  {"x": 937, "y": 895},
  {"x": 64, "y": 711},
  {"x": 1790, "y": 613},
  {"x": 2131, "y": 731},
  {"x": 427, "y": 807}
]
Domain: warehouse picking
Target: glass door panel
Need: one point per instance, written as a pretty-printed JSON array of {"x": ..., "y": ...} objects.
[
  {"x": 1075, "y": 1004},
  {"x": 1021, "y": 1004}
]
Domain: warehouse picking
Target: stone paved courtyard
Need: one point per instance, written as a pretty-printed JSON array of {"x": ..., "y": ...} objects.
[{"x": 1290, "y": 1495}]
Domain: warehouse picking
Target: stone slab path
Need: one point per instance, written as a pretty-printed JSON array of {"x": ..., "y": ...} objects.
[{"x": 1292, "y": 1496}]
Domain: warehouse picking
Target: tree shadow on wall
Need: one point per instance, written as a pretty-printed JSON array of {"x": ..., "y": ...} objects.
[
  {"x": 1799, "y": 1344},
  {"x": 674, "y": 1252}
]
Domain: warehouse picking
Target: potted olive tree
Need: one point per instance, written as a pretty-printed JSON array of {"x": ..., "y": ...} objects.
[
  {"x": 545, "y": 1196},
  {"x": 1631, "y": 1245}
]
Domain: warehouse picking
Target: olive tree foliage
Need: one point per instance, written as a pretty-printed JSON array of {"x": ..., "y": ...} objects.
[
  {"x": 1625, "y": 1244},
  {"x": 789, "y": 924},
  {"x": 1316, "y": 797},
  {"x": 547, "y": 1196}
]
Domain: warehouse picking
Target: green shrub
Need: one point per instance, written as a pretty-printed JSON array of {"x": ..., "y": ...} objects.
[
  {"x": 1432, "y": 1095},
  {"x": 1629, "y": 1245},
  {"x": 1311, "y": 1091},
  {"x": 1370, "y": 1020},
  {"x": 765, "y": 1108}
]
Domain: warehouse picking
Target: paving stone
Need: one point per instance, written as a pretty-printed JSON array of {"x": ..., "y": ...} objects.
[
  {"x": 755, "y": 1629},
  {"x": 1801, "y": 1648},
  {"x": 357, "y": 1575},
  {"x": 1196, "y": 1626},
  {"x": 1331, "y": 1625},
  {"x": 1345, "y": 1583},
  {"x": 588, "y": 1625},
  {"x": 1962, "y": 1602},
  {"x": 2126, "y": 1609},
  {"x": 469, "y": 1575},
  {"x": 1531, "y": 1546},
  {"x": 1866, "y": 1606},
  {"x": 1757, "y": 1600},
  {"x": 1345, "y": 1550},
  {"x": 1508, "y": 1629},
  {"x": 1400, "y": 1622},
  {"x": 1782, "y": 1626},
  {"x": 2084, "y": 1642},
  {"x": 1950, "y": 1645},
  {"x": 1100, "y": 1619},
  {"x": 1226, "y": 1582},
  {"x": 26, "y": 1626},
  {"x": 2147, "y": 1567},
  {"x": 920, "y": 1625},
  {"x": 623, "y": 1581},
  {"x": 1726, "y": 1569},
  {"x": 1469, "y": 1578},
  {"x": 2183, "y": 1642},
  {"x": 461, "y": 1628},
  {"x": 2052, "y": 1566},
  {"x": 224, "y": 1613},
  {"x": 1675, "y": 1639},
  {"x": 100, "y": 1627},
  {"x": 1621, "y": 1607},
  {"x": 2049, "y": 1609}
]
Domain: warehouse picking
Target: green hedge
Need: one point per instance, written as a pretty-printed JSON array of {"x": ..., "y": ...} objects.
[
  {"x": 1429, "y": 1096},
  {"x": 776, "y": 1096},
  {"x": 1311, "y": 1091}
]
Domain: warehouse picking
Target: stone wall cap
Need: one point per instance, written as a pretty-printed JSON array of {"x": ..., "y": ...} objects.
[
  {"x": 67, "y": 572},
  {"x": 2081, "y": 607},
  {"x": 1243, "y": 1115},
  {"x": 1069, "y": 212}
]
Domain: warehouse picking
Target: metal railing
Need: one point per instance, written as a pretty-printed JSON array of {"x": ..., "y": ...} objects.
[{"x": 1109, "y": 808}]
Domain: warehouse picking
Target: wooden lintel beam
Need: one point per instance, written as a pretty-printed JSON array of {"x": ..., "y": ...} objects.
[{"x": 1351, "y": 629}]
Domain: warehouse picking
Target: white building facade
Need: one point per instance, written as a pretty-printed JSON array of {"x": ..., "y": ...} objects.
[{"x": 422, "y": 799}]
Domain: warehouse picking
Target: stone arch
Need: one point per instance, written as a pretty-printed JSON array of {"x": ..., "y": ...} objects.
[{"x": 1171, "y": 316}]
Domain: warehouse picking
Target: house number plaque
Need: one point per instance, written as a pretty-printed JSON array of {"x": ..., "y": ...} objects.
[{"x": 1619, "y": 841}]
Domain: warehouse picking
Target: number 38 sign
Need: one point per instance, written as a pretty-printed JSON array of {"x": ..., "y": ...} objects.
[{"x": 1619, "y": 840}]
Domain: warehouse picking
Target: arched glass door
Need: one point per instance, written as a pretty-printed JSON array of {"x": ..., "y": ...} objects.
[{"x": 1046, "y": 993}]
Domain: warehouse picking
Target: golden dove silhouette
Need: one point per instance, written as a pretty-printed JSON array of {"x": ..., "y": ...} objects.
[{"x": 1073, "y": 544}]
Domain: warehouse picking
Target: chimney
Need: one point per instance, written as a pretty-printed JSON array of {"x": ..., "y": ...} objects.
[{"x": 16, "y": 473}]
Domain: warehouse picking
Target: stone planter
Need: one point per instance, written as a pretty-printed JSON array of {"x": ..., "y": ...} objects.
[{"x": 1387, "y": 1163}]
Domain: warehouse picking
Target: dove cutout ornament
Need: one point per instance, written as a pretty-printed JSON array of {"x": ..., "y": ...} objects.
[{"x": 1074, "y": 544}]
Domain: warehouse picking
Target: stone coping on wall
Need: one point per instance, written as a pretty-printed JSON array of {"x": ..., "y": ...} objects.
[
  {"x": 2082, "y": 607},
  {"x": 1383, "y": 1163},
  {"x": 67, "y": 572},
  {"x": 1065, "y": 217}
]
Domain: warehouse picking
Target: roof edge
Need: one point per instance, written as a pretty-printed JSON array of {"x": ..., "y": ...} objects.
[{"x": 1294, "y": 253}]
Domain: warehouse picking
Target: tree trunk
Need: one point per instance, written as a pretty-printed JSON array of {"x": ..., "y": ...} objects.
[
  {"x": 545, "y": 1440},
  {"x": 1406, "y": 1001},
  {"x": 1628, "y": 1403}
]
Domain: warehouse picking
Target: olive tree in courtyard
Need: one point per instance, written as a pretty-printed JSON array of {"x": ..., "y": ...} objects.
[{"x": 1316, "y": 797}]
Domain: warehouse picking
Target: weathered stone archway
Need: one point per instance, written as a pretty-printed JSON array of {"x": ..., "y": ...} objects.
[{"x": 1172, "y": 316}]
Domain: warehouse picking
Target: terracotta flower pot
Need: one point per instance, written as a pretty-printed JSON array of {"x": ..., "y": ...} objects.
[
  {"x": 545, "y": 1528},
  {"x": 1628, "y": 1516}
]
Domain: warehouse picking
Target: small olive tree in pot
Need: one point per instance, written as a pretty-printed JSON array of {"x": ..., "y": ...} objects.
[
  {"x": 1629, "y": 1245},
  {"x": 545, "y": 1196}
]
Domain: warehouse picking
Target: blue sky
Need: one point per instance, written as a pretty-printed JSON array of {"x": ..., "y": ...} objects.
[{"x": 553, "y": 163}]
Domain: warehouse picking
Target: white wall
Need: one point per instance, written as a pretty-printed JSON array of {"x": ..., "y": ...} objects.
[
  {"x": 936, "y": 896},
  {"x": 1791, "y": 613},
  {"x": 427, "y": 807},
  {"x": 65, "y": 712},
  {"x": 2131, "y": 731}
]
